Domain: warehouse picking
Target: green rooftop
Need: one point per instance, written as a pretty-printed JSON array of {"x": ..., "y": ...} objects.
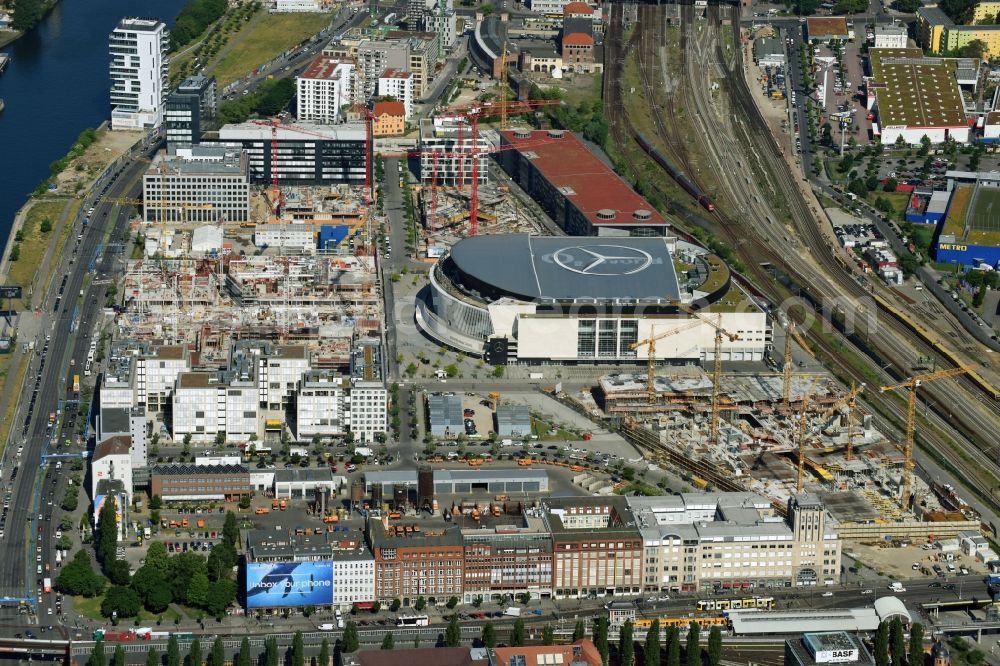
[{"x": 913, "y": 91}]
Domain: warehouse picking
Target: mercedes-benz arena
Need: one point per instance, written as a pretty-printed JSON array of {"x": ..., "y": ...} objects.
[{"x": 529, "y": 299}]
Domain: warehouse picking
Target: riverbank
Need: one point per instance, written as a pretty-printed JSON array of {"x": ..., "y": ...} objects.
[{"x": 9, "y": 36}]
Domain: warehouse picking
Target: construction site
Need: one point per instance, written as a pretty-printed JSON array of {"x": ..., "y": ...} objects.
[{"x": 782, "y": 433}]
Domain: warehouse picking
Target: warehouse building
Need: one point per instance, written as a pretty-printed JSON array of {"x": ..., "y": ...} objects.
[
  {"x": 582, "y": 194},
  {"x": 465, "y": 481},
  {"x": 444, "y": 411},
  {"x": 176, "y": 482},
  {"x": 523, "y": 299},
  {"x": 969, "y": 234},
  {"x": 298, "y": 482},
  {"x": 825, "y": 29},
  {"x": 513, "y": 421},
  {"x": 307, "y": 153},
  {"x": 912, "y": 96}
]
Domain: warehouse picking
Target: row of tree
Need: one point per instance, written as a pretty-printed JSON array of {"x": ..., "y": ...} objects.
[
  {"x": 194, "y": 19},
  {"x": 889, "y": 647},
  {"x": 294, "y": 656},
  {"x": 271, "y": 98}
]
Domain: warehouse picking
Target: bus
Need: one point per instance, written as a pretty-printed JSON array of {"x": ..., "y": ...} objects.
[{"x": 413, "y": 621}]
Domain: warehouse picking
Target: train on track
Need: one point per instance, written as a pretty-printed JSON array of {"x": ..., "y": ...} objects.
[
  {"x": 674, "y": 172},
  {"x": 705, "y": 621}
]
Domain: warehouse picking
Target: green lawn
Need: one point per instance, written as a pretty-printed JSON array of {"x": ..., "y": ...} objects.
[
  {"x": 540, "y": 429},
  {"x": 274, "y": 34},
  {"x": 91, "y": 608},
  {"x": 35, "y": 243}
]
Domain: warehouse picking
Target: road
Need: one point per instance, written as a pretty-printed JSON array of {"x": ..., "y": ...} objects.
[{"x": 68, "y": 322}]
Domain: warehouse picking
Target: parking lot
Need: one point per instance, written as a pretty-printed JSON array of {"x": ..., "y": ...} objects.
[{"x": 917, "y": 562}]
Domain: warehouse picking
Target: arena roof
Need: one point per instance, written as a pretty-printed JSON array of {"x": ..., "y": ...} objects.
[
  {"x": 914, "y": 91},
  {"x": 577, "y": 268},
  {"x": 587, "y": 183}
]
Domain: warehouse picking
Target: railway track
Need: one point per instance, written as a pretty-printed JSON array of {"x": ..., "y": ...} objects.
[{"x": 817, "y": 293}]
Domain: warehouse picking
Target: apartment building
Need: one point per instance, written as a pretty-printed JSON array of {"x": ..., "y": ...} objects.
[
  {"x": 444, "y": 23},
  {"x": 424, "y": 51},
  {"x": 195, "y": 184},
  {"x": 597, "y": 549},
  {"x": 188, "y": 105},
  {"x": 397, "y": 84},
  {"x": 112, "y": 460},
  {"x": 279, "y": 373},
  {"x": 321, "y": 406},
  {"x": 206, "y": 404},
  {"x": 415, "y": 562},
  {"x": 389, "y": 119},
  {"x": 720, "y": 541},
  {"x": 369, "y": 398},
  {"x": 139, "y": 68},
  {"x": 326, "y": 86},
  {"x": 156, "y": 374},
  {"x": 180, "y": 482},
  {"x": 376, "y": 56},
  {"x": 450, "y": 136},
  {"x": 507, "y": 554}
]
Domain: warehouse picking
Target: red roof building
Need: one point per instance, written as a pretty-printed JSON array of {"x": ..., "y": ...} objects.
[
  {"x": 582, "y": 652},
  {"x": 390, "y": 119},
  {"x": 579, "y": 191},
  {"x": 580, "y": 9},
  {"x": 578, "y": 39}
]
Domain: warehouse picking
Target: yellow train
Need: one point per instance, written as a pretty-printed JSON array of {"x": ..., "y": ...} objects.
[
  {"x": 762, "y": 603},
  {"x": 683, "y": 622}
]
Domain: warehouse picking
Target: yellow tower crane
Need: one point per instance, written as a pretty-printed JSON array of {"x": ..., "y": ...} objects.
[
  {"x": 651, "y": 353},
  {"x": 850, "y": 400},
  {"x": 717, "y": 370},
  {"x": 911, "y": 412},
  {"x": 786, "y": 380}
]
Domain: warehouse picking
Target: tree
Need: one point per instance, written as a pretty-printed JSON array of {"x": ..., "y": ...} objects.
[
  {"x": 97, "y": 656},
  {"x": 452, "y": 602},
  {"x": 881, "y": 645},
  {"x": 715, "y": 646},
  {"x": 858, "y": 187},
  {"x": 897, "y": 642},
  {"x": 27, "y": 14},
  {"x": 194, "y": 653},
  {"x": 173, "y": 652},
  {"x": 221, "y": 594},
  {"x": 349, "y": 643},
  {"x": 517, "y": 633},
  {"x": 906, "y": 6},
  {"x": 674, "y": 646},
  {"x": 917, "y": 644},
  {"x": 119, "y": 657},
  {"x": 601, "y": 638},
  {"x": 152, "y": 657},
  {"x": 489, "y": 638},
  {"x": 221, "y": 560},
  {"x": 230, "y": 530},
  {"x": 693, "y": 645},
  {"x": 324, "y": 654},
  {"x": 15, "y": 252},
  {"x": 244, "y": 658},
  {"x": 975, "y": 49},
  {"x": 626, "y": 648},
  {"x": 218, "y": 654},
  {"x": 453, "y": 634},
  {"x": 123, "y": 601},
  {"x": 117, "y": 572},
  {"x": 107, "y": 531},
  {"x": 388, "y": 642},
  {"x": 548, "y": 635},
  {"x": 271, "y": 652},
  {"x": 579, "y": 631},
  {"x": 420, "y": 604},
  {"x": 395, "y": 605},
  {"x": 925, "y": 146},
  {"x": 298, "y": 650},
  {"x": 78, "y": 577},
  {"x": 197, "y": 590},
  {"x": 651, "y": 651}
]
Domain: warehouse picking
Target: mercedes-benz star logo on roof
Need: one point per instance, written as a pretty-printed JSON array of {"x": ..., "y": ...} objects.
[{"x": 602, "y": 259}]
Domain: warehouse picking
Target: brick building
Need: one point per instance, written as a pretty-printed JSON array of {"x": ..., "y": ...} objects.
[
  {"x": 199, "y": 482},
  {"x": 509, "y": 554},
  {"x": 410, "y": 562}
]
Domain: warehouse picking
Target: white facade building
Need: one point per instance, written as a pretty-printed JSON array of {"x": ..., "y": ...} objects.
[
  {"x": 353, "y": 578},
  {"x": 324, "y": 88},
  {"x": 157, "y": 374},
  {"x": 139, "y": 68},
  {"x": 279, "y": 375},
  {"x": 890, "y": 37},
  {"x": 321, "y": 406},
  {"x": 397, "y": 84},
  {"x": 204, "y": 406},
  {"x": 451, "y": 135},
  {"x": 445, "y": 24},
  {"x": 112, "y": 459},
  {"x": 198, "y": 184},
  {"x": 369, "y": 402},
  {"x": 297, "y": 238}
]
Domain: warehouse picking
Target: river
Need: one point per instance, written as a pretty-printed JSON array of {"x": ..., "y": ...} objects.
[{"x": 55, "y": 86}]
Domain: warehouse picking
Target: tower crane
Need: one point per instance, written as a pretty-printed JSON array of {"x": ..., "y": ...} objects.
[
  {"x": 651, "y": 353},
  {"x": 911, "y": 412},
  {"x": 717, "y": 370},
  {"x": 849, "y": 399},
  {"x": 786, "y": 370}
]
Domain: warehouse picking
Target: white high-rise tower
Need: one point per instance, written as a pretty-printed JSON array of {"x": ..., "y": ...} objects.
[{"x": 139, "y": 67}]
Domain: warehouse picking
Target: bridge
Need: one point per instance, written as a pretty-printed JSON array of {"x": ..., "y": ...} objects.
[{"x": 53, "y": 649}]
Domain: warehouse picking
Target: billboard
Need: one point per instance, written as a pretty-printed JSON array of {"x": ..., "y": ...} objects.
[{"x": 276, "y": 584}]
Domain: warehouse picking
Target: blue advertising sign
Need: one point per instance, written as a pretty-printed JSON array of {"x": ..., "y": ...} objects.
[{"x": 276, "y": 584}]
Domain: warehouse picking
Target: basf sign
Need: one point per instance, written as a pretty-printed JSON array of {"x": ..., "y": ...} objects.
[
  {"x": 836, "y": 656},
  {"x": 277, "y": 584}
]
